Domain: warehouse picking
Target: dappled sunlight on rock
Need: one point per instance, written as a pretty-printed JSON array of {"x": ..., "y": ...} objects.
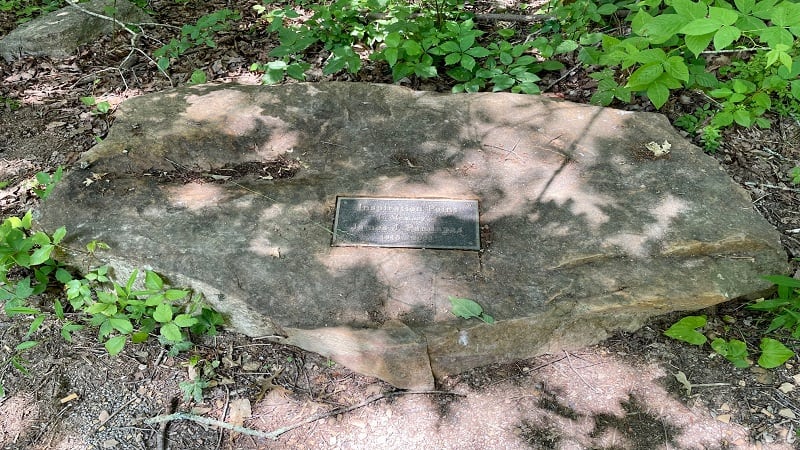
[{"x": 196, "y": 196}]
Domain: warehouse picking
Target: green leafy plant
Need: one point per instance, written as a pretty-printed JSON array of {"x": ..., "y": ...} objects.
[
  {"x": 795, "y": 174},
  {"x": 201, "y": 373},
  {"x": 198, "y": 77},
  {"x": 26, "y": 10},
  {"x": 10, "y": 103},
  {"x": 785, "y": 306},
  {"x": 194, "y": 35},
  {"x": 786, "y": 309},
  {"x": 47, "y": 182},
  {"x": 99, "y": 108},
  {"x": 468, "y": 309}
]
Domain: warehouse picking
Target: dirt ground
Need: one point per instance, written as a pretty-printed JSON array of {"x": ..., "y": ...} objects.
[{"x": 625, "y": 393}]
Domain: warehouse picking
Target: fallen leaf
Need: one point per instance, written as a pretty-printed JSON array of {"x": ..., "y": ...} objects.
[
  {"x": 681, "y": 377},
  {"x": 239, "y": 410},
  {"x": 787, "y": 413},
  {"x": 786, "y": 388}
]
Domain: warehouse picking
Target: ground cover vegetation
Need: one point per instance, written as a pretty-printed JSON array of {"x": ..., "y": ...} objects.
[{"x": 736, "y": 62}]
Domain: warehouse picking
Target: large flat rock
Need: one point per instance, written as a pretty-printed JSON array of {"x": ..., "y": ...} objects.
[{"x": 584, "y": 230}]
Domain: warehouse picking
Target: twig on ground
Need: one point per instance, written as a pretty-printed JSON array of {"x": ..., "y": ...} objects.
[
  {"x": 771, "y": 186},
  {"x": 579, "y": 375},
  {"x": 134, "y": 38},
  {"x": 276, "y": 433},
  {"x": 161, "y": 438},
  {"x": 561, "y": 78},
  {"x": 525, "y": 18}
]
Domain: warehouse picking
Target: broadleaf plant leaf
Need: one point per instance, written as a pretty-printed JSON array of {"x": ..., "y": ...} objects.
[{"x": 686, "y": 330}]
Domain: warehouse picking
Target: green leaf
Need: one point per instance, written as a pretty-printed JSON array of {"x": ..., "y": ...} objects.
[
  {"x": 698, "y": 44},
  {"x": 726, "y": 36},
  {"x": 782, "y": 280},
  {"x": 88, "y": 101},
  {"x": 115, "y": 345},
  {"x": 686, "y": 330},
  {"x": 744, "y": 6},
  {"x": 699, "y": 27},
  {"x": 452, "y": 59},
  {"x": 21, "y": 347},
  {"x": 139, "y": 337},
  {"x": 644, "y": 76},
  {"x": 391, "y": 54},
  {"x": 676, "y": 67},
  {"x": 297, "y": 71},
  {"x": 63, "y": 276},
  {"x": 652, "y": 55},
  {"x": 468, "y": 62},
  {"x": 773, "y": 36},
  {"x": 41, "y": 255},
  {"x": 566, "y": 46},
  {"x": 123, "y": 325},
  {"x": 59, "y": 234},
  {"x": 449, "y": 47},
  {"x": 465, "y": 308},
  {"x": 184, "y": 320},
  {"x": 661, "y": 28},
  {"x": 773, "y": 353},
  {"x": 171, "y": 332},
  {"x": 487, "y": 318},
  {"x": 689, "y": 9},
  {"x": 722, "y": 16},
  {"x": 393, "y": 39},
  {"x": 465, "y": 42},
  {"x": 478, "y": 52},
  {"x": 734, "y": 351},
  {"x": 658, "y": 93},
  {"x": 175, "y": 294},
  {"x": 412, "y": 48},
  {"x": 59, "y": 309},
  {"x": 153, "y": 281},
  {"x": 37, "y": 322},
  {"x": 742, "y": 117},
  {"x": 163, "y": 313}
]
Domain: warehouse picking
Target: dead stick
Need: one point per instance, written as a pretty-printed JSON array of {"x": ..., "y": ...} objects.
[
  {"x": 484, "y": 17},
  {"x": 275, "y": 434}
]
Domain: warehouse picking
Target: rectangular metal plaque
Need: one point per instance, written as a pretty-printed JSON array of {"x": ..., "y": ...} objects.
[{"x": 406, "y": 222}]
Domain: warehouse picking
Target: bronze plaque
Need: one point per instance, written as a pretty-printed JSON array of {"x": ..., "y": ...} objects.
[{"x": 406, "y": 222}]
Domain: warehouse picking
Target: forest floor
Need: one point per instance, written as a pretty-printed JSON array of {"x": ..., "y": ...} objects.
[{"x": 626, "y": 392}]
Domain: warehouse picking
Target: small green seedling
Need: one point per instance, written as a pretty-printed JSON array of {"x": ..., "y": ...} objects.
[
  {"x": 99, "y": 107},
  {"x": 468, "y": 309}
]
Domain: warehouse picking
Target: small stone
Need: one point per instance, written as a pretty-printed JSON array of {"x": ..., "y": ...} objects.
[
  {"x": 725, "y": 407},
  {"x": 787, "y": 413},
  {"x": 766, "y": 413},
  {"x": 109, "y": 443},
  {"x": 724, "y": 418},
  {"x": 796, "y": 379},
  {"x": 786, "y": 388},
  {"x": 103, "y": 416},
  {"x": 252, "y": 366}
]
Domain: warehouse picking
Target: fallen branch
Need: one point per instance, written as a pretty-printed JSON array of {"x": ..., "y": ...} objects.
[
  {"x": 134, "y": 38},
  {"x": 277, "y": 433},
  {"x": 524, "y": 18}
]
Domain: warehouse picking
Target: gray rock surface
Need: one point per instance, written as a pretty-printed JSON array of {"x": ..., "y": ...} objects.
[
  {"x": 584, "y": 230},
  {"x": 59, "y": 33}
]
